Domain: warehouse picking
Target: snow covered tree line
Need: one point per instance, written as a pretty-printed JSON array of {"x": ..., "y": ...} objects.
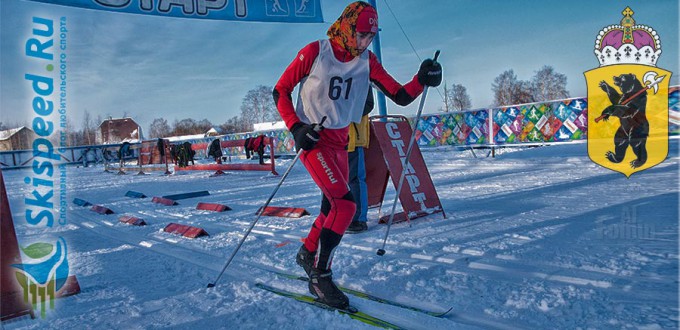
[
  {"x": 258, "y": 106},
  {"x": 85, "y": 136},
  {"x": 456, "y": 98},
  {"x": 545, "y": 85}
]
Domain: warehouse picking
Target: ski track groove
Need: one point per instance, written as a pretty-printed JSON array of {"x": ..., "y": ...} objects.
[
  {"x": 483, "y": 263},
  {"x": 213, "y": 262}
]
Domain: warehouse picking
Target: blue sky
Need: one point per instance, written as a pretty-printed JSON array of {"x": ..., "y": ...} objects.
[{"x": 148, "y": 67}]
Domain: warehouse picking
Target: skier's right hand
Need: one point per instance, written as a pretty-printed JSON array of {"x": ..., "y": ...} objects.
[
  {"x": 306, "y": 135},
  {"x": 430, "y": 73}
]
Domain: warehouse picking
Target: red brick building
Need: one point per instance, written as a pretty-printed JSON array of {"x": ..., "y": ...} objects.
[{"x": 118, "y": 130}]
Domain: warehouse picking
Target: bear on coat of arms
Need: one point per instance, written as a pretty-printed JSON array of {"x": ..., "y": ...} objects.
[{"x": 634, "y": 128}]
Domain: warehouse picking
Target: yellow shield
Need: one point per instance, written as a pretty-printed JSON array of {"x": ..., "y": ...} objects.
[{"x": 627, "y": 116}]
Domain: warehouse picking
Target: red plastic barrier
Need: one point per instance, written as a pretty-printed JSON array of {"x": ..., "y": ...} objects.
[
  {"x": 286, "y": 212},
  {"x": 149, "y": 153},
  {"x": 70, "y": 288},
  {"x": 164, "y": 201},
  {"x": 398, "y": 217},
  {"x": 101, "y": 210},
  {"x": 226, "y": 167},
  {"x": 130, "y": 220},
  {"x": 213, "y": 207},
  {"x": 184, "y": 230},
  {"x": 11, "y": 296},
  {"x": 234, "y": 167}
]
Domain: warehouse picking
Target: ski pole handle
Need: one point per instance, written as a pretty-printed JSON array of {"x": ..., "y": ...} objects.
[{"x": 319, "y": 127}]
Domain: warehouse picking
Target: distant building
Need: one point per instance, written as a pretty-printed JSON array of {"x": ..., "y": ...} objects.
[
  {"x": 212, "y": 132},
  {"x": 17, "y": 139},
  {"x": 118, "y": 130}
]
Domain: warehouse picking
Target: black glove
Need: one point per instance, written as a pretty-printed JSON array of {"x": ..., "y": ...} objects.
[
  {"x": 306, "y": 135},
  {"x": 430, "y": 73}
]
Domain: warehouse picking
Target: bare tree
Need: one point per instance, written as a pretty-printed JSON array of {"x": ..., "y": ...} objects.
[
  {"x": 233, "y": 125},
  {"x": 549, "y": 85},
  {"x": 97, "y": 128},
  {"x": 185, "y": 126},
  {"x": 88, "y": 129},
  {"x": 456, "y": 98},
  {"x": 459, "y": 98},
  {"x": 258, "y": 106},
  {"x": 508, "y": 90},
  {"x": 74, "y": 137},
  {"x": 159, "y": 128},
  {"x": 503, "y": 87},
  {"x": 523, "y": 93},
  {"x": 204, "y": 125},
  {"x": 447, "y": 100}
]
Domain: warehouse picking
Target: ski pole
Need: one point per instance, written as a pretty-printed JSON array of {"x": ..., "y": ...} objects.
[
  {"x": 381, "y": 251},
  {"x": 259, "y": 214}
]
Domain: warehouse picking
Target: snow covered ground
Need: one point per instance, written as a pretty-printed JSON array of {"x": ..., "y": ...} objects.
[{"x": 538, "y": 238}]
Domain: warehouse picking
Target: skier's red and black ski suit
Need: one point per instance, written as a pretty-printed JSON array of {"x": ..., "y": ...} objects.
[{"x": 327, "y": 161}]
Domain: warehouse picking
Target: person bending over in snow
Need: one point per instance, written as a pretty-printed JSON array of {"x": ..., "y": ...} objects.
[{"x": 334, "y": 76}]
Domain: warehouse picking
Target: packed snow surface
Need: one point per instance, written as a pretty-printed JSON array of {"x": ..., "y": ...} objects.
[{"x": 535, "y": 238}]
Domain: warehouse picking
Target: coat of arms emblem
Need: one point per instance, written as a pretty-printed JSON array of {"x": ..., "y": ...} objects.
[{"x": 627, "y": 99}]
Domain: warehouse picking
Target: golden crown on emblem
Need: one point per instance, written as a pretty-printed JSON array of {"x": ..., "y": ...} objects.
[{"x": 627, "y": 43}]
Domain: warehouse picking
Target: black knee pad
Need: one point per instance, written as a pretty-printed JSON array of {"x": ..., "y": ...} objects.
[
  {"x": 325, "y": 205},
  {"x": 349, "y": 197}
]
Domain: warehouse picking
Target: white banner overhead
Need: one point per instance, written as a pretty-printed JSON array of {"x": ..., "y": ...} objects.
[{"x": 288, "y": 11}]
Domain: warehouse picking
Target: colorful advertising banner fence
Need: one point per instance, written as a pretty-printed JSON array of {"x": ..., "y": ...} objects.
[
  {"x": 541, "y": 122},
  {"x": 462, "y": 128},
  {"x": 534, "y": 123},
  {"x": 674, "y": 111}
]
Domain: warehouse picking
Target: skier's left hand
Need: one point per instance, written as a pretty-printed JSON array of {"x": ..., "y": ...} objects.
[
  {"x": 430, "y": 73},
  {"x": 306, "y": 135}
]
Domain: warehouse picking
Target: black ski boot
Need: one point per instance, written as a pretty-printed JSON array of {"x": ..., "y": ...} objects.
[
  {"x": 356, "y": 227},
  {"x": 305, "y": 259},
  {"x": 322, "y": 287}
]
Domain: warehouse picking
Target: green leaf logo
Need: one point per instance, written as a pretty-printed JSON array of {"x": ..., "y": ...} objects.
[{"x": 37, "y": 250}]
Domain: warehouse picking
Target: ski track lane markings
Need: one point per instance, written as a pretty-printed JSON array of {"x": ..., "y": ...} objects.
[
  {"x": 521, "y": 240},
  {"x": 485, "y": 268},
  {"x": 514, "y": 274},
  {"x": 464, "y": 257},
  {"x": 159, "y": 246},
  {"x": 212, "y": 262},
  {"x": 465, "y": 254}
]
